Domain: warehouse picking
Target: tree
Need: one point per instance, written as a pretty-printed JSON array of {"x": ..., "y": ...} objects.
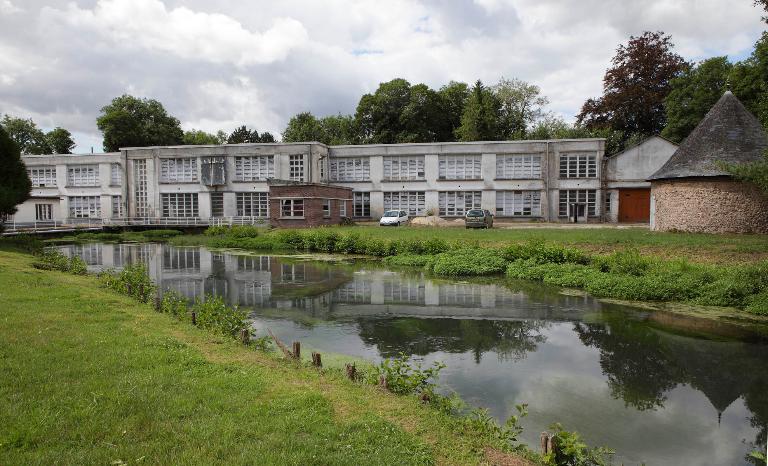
[
  {"x": 132, "y": 122},
  {"x": 304, "y": 127},
  {"x": 28, "y": 137},
  {"x": 454, "y": 96},
  {"x": 764, "y": 5},
  {"x": 378, "y": 114},
  {"x": 423, "y": 118},
  {"x": 199, "y": 137},
  {"x": 60, "y": 141},
  {"x": 339, "y": 129},
  {"x": 480, "y": 119},
  {"x": 749, "y": 80},
  {"x": 753, "y": 172},
  {"x": 242, "y": 135},
  {"x": 635, "y": 86},
  {"x": 692, "y": 94},
  {"x": 522, "y": 105},
  {"x": 14, "y": 181}
]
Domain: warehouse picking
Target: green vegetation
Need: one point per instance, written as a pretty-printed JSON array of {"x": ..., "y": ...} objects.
[{"x": 106, "y": 236}]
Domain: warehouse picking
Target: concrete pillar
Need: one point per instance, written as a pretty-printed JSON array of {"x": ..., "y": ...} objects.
[
  {"x": 204, "y": 204},
  {"x": 230, "y": 205},
  {"x": 377, "y": 204},
  {"x": 432, "y": 202}
]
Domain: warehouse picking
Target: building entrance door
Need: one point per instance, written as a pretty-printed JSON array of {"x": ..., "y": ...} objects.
[{"x": 635, "y": 205}]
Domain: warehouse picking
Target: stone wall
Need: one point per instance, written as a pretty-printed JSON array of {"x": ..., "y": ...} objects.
[{"x": 708, "y": 205}]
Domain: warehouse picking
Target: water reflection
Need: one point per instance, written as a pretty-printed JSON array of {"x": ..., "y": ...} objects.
[{"x": 657, "y": 387}]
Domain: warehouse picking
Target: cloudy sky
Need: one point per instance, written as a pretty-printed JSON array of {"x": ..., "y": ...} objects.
[{"x": 218, "y": 64}]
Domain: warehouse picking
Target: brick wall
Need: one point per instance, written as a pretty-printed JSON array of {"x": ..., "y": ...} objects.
[
  {"x": 709, "y": 205},
  {"x": 313, "y": 196}
]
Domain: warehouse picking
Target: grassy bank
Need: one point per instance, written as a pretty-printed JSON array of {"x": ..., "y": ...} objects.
[
  {"x": 90, "y": 376},
  {"x": 625, "y": 273}
]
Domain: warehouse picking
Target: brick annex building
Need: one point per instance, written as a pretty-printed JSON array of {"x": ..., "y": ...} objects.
[{"x": 692, "y": 193}]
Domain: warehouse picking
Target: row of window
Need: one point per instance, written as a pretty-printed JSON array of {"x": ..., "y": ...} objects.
[
  {"x": 450, "y": 203},
  {"x": 78, "y": 175}
]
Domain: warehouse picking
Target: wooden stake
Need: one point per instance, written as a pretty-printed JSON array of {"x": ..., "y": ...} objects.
[
  {"x": 544, "y": 441},
  {"x": 297, "y": 349},
  {"x": 245, "y": 336},
  {"x": 194, "y": 318},
  {"x": 158, "y": 303},
  {"x": 316, "y": 360},
  {"x": 551, "y": 444},
  {"x": 383, "y": 382},
  {"x": 351, "y": 371},
  {"x": 280, "y": 345}
]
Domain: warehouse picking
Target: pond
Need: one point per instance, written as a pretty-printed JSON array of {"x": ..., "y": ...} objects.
[{"x": 659, "y": 388}]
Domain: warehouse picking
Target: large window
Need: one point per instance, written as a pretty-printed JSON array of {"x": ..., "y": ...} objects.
[
  {"x": 352, "y": 169},
  {"x": 361, "y": 204},
  {"x": 140, "y": 182},
  {"x": 178, "y": 170},
  {"x": 83, "y": 175},
  {"x": 179, "y": 204},
  {"x": 578, "y": 166},
  {"x": 410, "y": 201},
  {"x": 117, "y": 206},
  {"x": 42, "y": 176},
  {"x": 252, "y": 204},
  {"x": 342, "y": 208},
  {"x": 459, "y": 167},
  {"x": 457, "y": 203},
  {"x": 296, "y": 167},
  {"x": 580, "y": 196},
  {"x": 326, "y": 208},
  {"x": 518, "y": 166},
  {"x": 292, "y": 208},
  {"x": 518, "y": 203},
  {"x": 254, "y": 168},
  {"x": 116, "y": 175},
  {"x": 43, "y": 211},
  {"x": 84, "y": 207},
  {"x": 404, "y": 168}
]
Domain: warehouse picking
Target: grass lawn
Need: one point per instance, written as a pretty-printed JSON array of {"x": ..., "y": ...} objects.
[
  {"x": 89, "y": 376},
  {"x": 697, "y": 247}
]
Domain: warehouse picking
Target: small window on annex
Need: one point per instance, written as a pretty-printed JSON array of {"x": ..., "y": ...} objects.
[
  {"x": 326, "y": 208},
  {"x": 296, "y": 167},
  {"x": 361, "y": 204},
  {"x": 292, "y": 208}
]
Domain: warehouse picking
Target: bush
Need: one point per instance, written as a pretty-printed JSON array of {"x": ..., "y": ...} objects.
[
  {"x": 570, "y": 450},
  {"x": 174, "y": 303},
  {"x": 468, "y": 262},
  {"x": 349, "y": 244},
  {"x": 757, "y": 304},
  {"x": 133, "y": 281},
  {"x": 291, "y": 238},
  {"x": 160, "y": 234},
  {"x": 628, "y": 262},
  {"x": 213, "y": 314},
  {"x": 321, "y": 239},
  {"x": 544, "y": 253},
  {"x": 405, "y": 378},
  {"x": 410, "y": 260}
]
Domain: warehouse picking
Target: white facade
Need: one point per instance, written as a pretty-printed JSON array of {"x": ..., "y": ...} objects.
[{"x": 518, "y": 180}]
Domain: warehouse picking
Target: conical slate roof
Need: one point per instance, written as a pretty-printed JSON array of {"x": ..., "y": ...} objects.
[{"x": 728, "y": 133}]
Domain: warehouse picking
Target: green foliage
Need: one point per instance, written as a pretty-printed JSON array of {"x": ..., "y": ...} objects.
[
  {"x": 55, "y": 260},
  {"x": 321, "y": 240},
  {"x": 505, "y": 436},
  {"x": 542, "y": 252},
  {"x": 628, "y": 261},
  {"x": 480, "y": 120},
  {"x": 466, "y": 262},
  {"x": 212, "y": 313},
  {"x": 522, "y": 105},
  {"x": 569, "y": 450},
  {"x": 60, "y": 141},
  {"x": 133, "y": 281},
  {"x": 174, "y": 304},
  {"x": 755, "y": 173},
  {"x": 196, "y": 137},
  {"x": 15, "y": 185},
  {"x": 332, "y": 130},
  {"x": 132, "y": 122},
  {"x": 235, "y": 231},
  {"x": 243, "y": 135},
  {"x": 404, "y": 377},
  {"x": 28, "y": 137},
  {"x": 160, "y": 234},
  {"x": 408, "y": 260}
]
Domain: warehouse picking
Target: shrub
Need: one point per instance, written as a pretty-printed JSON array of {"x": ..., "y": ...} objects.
[
  {"x": 77, "y": 266},
  {"x": 466, "y": 262},
  {"x": 216, "y": 230},
  {"x": 244, "y": 231},
  {"x": 349, "y": 243},
  {"x": 758, "y": 303},
  {"x": 174, "y": 303},
  {"x": 212, "y": 313},
  {"x": 133, "y": 281},
  {"x": 504, "y": 437},
  {"x": 52, "y": 260},
  {"x": 404, "y": 377},
  {"x": 570, "y": 450},
  {"x": 628, "y": 262},
  {"x": 320, "y": 239},
  {"x": 410, "y": 260},
  {"x": 291, "y": 238}
]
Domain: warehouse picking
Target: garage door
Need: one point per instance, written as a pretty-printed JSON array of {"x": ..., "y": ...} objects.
[{"x": 634, "y": 205}]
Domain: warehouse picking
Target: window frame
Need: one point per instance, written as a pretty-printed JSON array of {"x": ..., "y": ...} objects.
[
  {"x": 519, "y": 166},
  {"x": 577, "y": 165},
  {"x": 413, "y": 202},
  {"x": 521, "y": 200},
  {"x": 444, "y": 199},
  {"x": 43, "y": 208},
  {"x": 326, "y": 208},
  {"x": 86, "y": 176},
  {"x": 459, "y": 167},
  {"x": 42, "y": 176},
  {"x": 89, "y": 206},
  {"x": 254, "y": 168},
  {"x": 176, "y": 170},
  {"x": 292, "y": 203},
  {"x": 404, "y": 168},
  {"x": 184, "y": 203},
  {"x": 253, "y": 202},
  {"x": 296, "y": 167},
  {"x": 115, "y": 174},
  {"x": 361, "y": 199},
  {"x": 563, "y": 203},
  {"x": 350, "y": 169}
]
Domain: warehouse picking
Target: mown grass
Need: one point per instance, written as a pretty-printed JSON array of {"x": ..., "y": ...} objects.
[{"x": 90, "y": 376}]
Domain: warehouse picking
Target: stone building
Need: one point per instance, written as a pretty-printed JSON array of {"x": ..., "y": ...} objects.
[{"x": 692, "y": 193}]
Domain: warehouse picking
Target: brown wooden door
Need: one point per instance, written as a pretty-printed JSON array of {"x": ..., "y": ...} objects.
[{"x": 635, "y": 205}]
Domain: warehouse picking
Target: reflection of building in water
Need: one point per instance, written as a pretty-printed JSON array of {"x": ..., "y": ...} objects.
[{"x": 283, "y": 283}]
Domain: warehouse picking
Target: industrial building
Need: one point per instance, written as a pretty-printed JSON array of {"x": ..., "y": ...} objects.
[{"x": 551, "y": 181}]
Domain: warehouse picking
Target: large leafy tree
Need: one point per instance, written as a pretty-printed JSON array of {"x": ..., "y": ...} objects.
[
  {"x": 423, "y": 118},
  {"x": 522, "y": 105},
  {"x": 28, "y": 137},
  {"x": 764, "y": 5},
  {"x": 378, "y": 114},
  {"x": 14, "y": 181},
  {"x": 480, "y": 119},
  {"x": 340, "y": 129},
  {"x": 332, "y": 129},
  {"x": 454, "y": 97},
  {"x": 200, "y": 137},
  {"x": 749, "y": 80},
  {"x": 132, "y": 122},
  {"x": 635, "y": 86},
  {"x": 60, "y": 141},
  {"x": 693, "y": 93}
]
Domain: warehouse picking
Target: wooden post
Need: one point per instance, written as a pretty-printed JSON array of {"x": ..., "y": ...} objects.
[
  {"x": 316, "y": 361},
  {"x": 128, "y": 289},
  {"x": 245, "y": 336},
  {"x": 351, "y": 371},
  {"x": 158, "y": 303},
  {"x": 544, "y": 440},
  {"x": 297, "y": 350},
  {"x": 194, "y": 318},
  {"x": 280, "y": 344},
  {"x": 551, "y": 444},
  {"x": 383, "y": 382}
]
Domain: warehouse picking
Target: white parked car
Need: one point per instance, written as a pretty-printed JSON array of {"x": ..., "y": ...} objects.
[{"x": 394, "y": 218}]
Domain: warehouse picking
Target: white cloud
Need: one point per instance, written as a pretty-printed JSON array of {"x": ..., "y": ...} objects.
[
  {"x": 215, "y": 38},
  {"x": 8, "y": 8}
]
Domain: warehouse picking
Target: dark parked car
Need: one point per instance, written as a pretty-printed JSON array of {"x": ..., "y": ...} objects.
[{"x": 477, "y": 218}]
